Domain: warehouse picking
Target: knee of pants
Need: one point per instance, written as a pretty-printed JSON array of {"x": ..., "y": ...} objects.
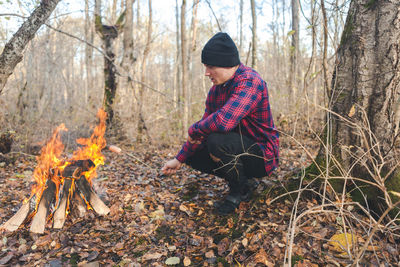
[{"x": 215, "y": 144}]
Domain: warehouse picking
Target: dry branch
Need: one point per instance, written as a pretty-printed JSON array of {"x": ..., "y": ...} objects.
[{"x": 39, "y": 220}]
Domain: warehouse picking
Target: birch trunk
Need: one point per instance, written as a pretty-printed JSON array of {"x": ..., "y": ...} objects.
[{"x": 12, "y": 53}]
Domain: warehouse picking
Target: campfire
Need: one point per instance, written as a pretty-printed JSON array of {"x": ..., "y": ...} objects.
[{"x": 60, "y": 182}]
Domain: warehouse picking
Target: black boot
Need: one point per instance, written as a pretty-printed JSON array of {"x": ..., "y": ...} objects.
[{"x": 239, "y": 191}]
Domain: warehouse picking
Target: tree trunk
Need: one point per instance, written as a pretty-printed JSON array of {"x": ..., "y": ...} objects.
[
  {"x": 128, "y": 59},
  {"x": 191, "y": 50},
  {"x": 12, "y": 53},
  {"x": 364, "y": 101},
  {"x": 88, "y": 51},
  {"x": 177, "y": 84},
  {"x": 241, "y": 27},
  {"x": 294, "y": 51},
  {"x": 141, "y": 122},
  {"x": 108, "y": 34},
  {"x": 254, "y": 34},
  {"x": 185, "y": 117}
]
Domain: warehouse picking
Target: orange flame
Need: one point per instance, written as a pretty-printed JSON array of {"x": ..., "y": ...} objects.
[
  {"x": 92, "y": 147},
  {"x": 51, "y": 164},
  {"x": 48, "y": 160}
]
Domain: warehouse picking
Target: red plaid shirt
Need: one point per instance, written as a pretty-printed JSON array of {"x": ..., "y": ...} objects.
[{"x": 241, "y": 105}]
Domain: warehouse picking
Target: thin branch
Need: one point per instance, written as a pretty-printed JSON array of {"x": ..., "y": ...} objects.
[{"x": 212, "y": 10}]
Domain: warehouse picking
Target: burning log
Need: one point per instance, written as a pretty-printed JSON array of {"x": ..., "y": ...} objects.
[
  {"x": 62, "y": 210},
  {"x": 39, "y": 220},
  {"x": 90, "y": 197},
  {"x": 75, "y": 187},
  {"x": 64, "y": 181},
  {"x": 79, "y": 205}
]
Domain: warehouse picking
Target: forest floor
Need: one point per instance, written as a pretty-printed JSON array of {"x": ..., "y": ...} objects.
[{"x": 159, "y": 221}]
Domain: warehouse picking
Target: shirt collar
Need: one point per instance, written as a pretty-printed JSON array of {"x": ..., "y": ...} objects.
[{"x": 239, "y": 69}]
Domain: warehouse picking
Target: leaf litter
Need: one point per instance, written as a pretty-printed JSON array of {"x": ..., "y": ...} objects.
[{"x": 157, "y": 220}]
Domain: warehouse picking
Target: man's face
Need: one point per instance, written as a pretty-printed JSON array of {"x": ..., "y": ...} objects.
[{"x": 218, "y": 75}]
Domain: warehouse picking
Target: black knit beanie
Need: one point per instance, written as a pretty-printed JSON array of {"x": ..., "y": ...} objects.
[{"x": 220, "y": 51}]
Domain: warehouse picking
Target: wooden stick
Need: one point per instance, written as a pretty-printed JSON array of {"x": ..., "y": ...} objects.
[
  {"x": 61, "y": 212},
  {"x": 91, "y": 197},
  {"x": 79, "y": 205},
  {"x": 15, "y": 221},
  {"x": 39, "y": 220}
]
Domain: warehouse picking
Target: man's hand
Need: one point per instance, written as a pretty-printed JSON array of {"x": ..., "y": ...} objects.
[
  {"x": 193, "y": 141},
  {"x": 171, "y": 167}
]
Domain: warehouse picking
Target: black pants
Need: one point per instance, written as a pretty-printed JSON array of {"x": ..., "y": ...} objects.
[{"x": 240, "y": 158}]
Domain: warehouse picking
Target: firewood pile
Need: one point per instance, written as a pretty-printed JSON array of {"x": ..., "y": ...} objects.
[{"x": 63, "y": 184}]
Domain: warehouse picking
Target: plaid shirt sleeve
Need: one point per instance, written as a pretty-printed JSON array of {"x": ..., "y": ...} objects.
[
  {"x": 188, "y": 149},
  {"x": 244, "y": 98}
]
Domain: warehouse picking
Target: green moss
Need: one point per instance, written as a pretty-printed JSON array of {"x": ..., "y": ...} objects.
[
  {"x": 370, "y": 4},
  {"x": 393, "y": 184},
  {"x": 348, "y": 29},
  {"x": 296, "y": 259},
  {"x": 373, "y": 196},
  {"x": 74, "y": 259}
]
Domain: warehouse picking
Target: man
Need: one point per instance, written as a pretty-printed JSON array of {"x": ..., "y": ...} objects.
[{"x": 236, "y": 139}]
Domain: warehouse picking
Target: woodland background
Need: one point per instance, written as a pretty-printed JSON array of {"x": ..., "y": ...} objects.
[
  {"x": 153, "y": 49},
  {"x": 61, "y": 77}
]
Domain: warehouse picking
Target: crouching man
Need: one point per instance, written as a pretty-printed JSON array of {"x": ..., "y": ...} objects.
[{"x": 236, "y": 138}]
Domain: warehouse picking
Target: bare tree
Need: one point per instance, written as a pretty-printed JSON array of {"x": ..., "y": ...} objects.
[
  {"x": 177, "y": 77},
  {"x": 127, "y": 58},
  {"x": 325, "y": 47},
  {"x": 12, "y": 53},
  {"x": 294, "y": 50},
  {"x": 241, "y": 27},
  {"x": 192, "y": 48},
  {"x": 254, "y": 34},
  {"x": 141, "y": 122},
  {"x": 89, "y": 36},
  {"x": 185, "y": 115},
  {"x": 108, "y": 34}
]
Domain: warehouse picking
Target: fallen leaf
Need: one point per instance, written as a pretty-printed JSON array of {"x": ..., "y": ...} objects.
[
  {"x": 352, "y": 111},
  {"x": 172, "y": 261},
  {"x": 151, "y": 256},
  {"x": 6, "y": 259},
  {"x": 93, "y": 255},
  {"x": 185, "y": 209},
  {"x": 262, "y": 257},
  {"x": 210, "y": 254},
  {"x": 186, "y": 261},
  {"x": 342, "y": 242},
  {"x": 157, "y": 214}
]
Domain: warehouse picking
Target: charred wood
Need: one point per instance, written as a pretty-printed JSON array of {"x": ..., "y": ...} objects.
[{"x": 90, "y": 197}]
